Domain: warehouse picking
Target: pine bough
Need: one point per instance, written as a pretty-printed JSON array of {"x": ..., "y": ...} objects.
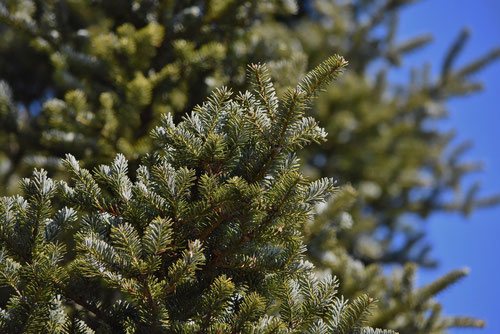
[{"x": 204, "y": 237}]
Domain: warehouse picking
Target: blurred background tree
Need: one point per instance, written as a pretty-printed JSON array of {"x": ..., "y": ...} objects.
[{"x": 92, "y": 78}]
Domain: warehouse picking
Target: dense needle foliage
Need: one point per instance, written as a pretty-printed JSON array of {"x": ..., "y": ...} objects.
[{"x": 95, "y": 78}]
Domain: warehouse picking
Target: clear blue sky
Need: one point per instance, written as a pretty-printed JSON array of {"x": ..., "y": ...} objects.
[{"x": 475, "y": 241}]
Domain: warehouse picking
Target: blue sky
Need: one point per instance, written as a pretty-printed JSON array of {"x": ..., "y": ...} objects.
[{"x": 474, "y": 241}]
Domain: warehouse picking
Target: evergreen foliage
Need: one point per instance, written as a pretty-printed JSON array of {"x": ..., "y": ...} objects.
[
  {"x": 212, "y": 219},
  {"x": 106, "y": 72},
  {"x": 383, "y": 136},
  {"x": 212, "y": 209}
]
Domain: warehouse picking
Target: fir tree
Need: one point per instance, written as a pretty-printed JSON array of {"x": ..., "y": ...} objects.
[
  {"x": 105, "y": 74},
  {"x": 205, "y": 239},
  {"x": 93, "y": 78}
]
